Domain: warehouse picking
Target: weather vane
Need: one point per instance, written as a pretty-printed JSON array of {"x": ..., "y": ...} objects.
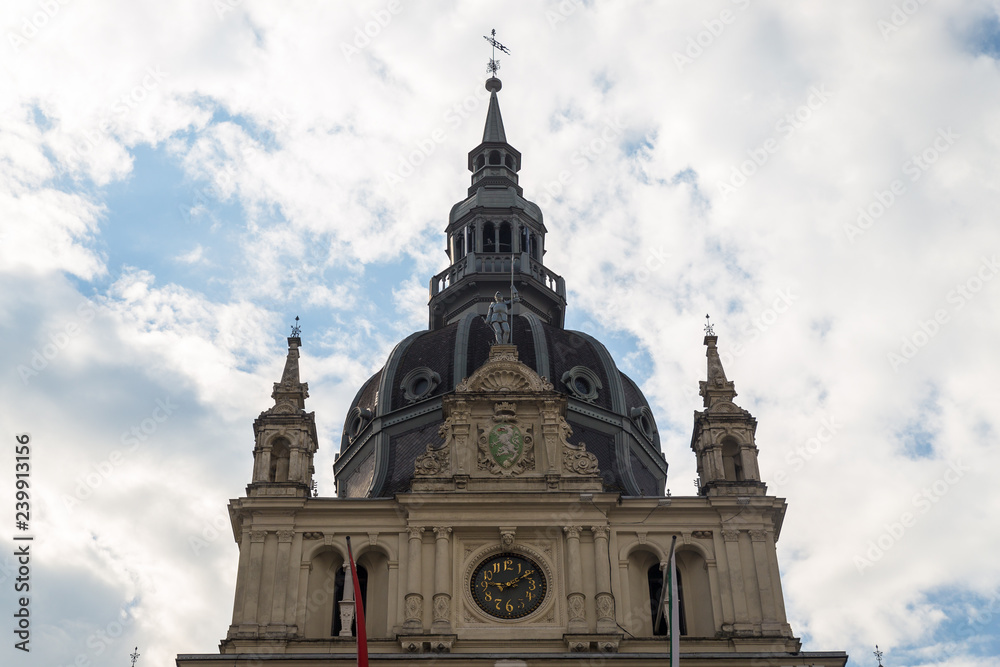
[
  {"x": 878, "y": 655},
  {"x": 135, "y": 656},
  {"x": 709, "y": 329},
  {"x": 296, "y": 329},
  {"x": 494, "y": 63}
]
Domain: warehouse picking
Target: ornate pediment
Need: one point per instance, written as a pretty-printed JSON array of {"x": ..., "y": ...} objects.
[
  {"x": 505, "y": 429},
  {"x": 502, "y": 372}
]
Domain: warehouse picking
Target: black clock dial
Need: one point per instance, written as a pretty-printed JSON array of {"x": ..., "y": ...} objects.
[{"x": 508, "y": 585}]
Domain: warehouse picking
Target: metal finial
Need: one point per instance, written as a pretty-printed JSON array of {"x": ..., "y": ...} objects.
[
  {"x": 494, "y": 64},
  {"x": 296, "y": 329},
  {"x": 135, "y": 656},
  {"x": 709, "y": 329},
  {"x": 878, "y": 656}
]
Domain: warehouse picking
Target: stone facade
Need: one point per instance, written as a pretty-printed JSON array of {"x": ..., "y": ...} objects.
[{"x": 499, "y": 517}]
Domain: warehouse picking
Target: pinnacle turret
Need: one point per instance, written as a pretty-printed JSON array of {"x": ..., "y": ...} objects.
[
  {"x": 290, "y": 391},
  {"x": 723, "y": 439},
  {"x": 285, "y": 435},
  {"x": 716, "y": 388}
]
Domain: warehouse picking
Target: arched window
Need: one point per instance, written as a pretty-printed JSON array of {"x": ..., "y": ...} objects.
[
  {"x": 279, "y": 461},
  {"x": 509, "y": 161},
  {"x": 732, "y": 465},
  {"x": 494, "y": 157},
  {"x": 489, "y": 238},
  {"x": 459, "y": 241},
  {"x": 698, "y": 619},
  {"x": 656, "y": 582},
  {"x": 324, "y": 591},
  {"x": 505, "y": 237},
  {"x": 480, "y": 162},
  {"x": 375, "y": 590}
]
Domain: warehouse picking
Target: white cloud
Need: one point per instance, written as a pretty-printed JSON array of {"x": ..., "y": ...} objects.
[{"x": 261, "y": 110}]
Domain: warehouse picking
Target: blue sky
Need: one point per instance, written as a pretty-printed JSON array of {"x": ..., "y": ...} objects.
[{"x": 179, "y": 181}]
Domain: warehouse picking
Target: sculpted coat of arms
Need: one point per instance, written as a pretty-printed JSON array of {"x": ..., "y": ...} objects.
[{"x": 505, "y": 449}]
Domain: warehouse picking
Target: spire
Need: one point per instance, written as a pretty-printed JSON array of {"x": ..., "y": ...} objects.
[
  {"x": 285, "y": 434},
  {"x": 717, "y": 388},
  {"x": 724, "y": 434},
  {"x": 496, "y": 237},
  {"x": 493, "y": 132},
  {"x": 290, "y": 391}
]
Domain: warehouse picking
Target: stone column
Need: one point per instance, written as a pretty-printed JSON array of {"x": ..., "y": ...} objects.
[
  {"x": 604, "y": 600},
  {"x": 574, "y": 576},
  {"x": 735, "y": 565},
  {"x": 347, "y": 602},
  {"x": 759, "y": 543},
  {"x": 255, "y": 572},
  {"x": 281, "y": 578},
  {"x": 414, "y": 603},
  {"x": 442, "y": 581},
  {"x": 242, "y": 577}
]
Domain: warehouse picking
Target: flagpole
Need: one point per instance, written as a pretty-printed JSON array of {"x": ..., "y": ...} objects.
[
  {"x": 668, "y": 595},
  {"x": 675, "y": 619},
  {"x": 359, "y": 606}
]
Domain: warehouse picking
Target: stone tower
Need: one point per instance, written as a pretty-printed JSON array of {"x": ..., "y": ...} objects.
[{"x": 506, "y": 500}]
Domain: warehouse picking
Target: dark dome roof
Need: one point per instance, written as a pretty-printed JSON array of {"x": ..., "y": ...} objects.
[{"x": 397, "y": 412}]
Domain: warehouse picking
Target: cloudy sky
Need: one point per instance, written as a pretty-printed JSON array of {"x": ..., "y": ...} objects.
[{"x": 179, "y": 180}]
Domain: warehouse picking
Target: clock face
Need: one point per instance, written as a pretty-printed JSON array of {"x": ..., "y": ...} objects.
[{"x": 508, "y": 585}]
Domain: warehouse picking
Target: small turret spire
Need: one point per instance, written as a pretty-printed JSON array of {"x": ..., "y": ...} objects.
[
  {"x": 285, "y": 434},
  {"x": 493, "y": 132},
  {"x": 723, "y": 436},
  {"x": 290, "y": 391},
  {"x": 716, "y": 388}
]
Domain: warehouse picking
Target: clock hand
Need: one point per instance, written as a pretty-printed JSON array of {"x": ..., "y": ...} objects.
[{"x": 519, "y": 578}]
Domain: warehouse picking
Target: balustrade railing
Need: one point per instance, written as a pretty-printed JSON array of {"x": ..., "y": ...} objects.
[{"x": 497, "y": 263}]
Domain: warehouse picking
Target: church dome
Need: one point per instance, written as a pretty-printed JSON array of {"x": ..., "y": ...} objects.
[
  {"x": 397, "y": 412},
  {"x": 496, "y": 242}
]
